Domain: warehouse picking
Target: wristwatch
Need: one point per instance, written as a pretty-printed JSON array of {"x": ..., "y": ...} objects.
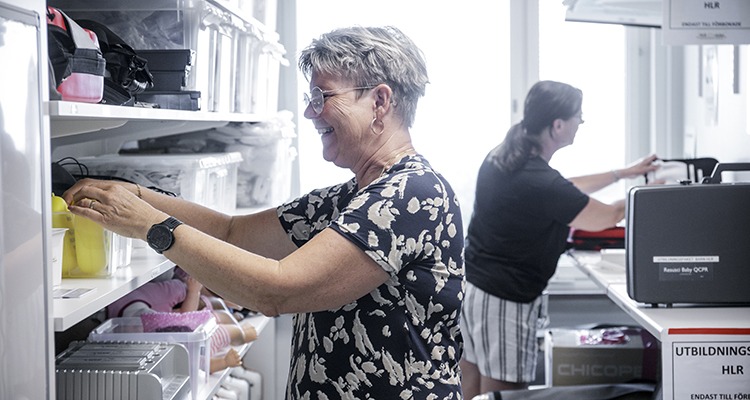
[{"x": 161, "y": 236}]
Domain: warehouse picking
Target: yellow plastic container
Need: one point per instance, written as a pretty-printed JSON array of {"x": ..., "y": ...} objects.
[
  {"x": 87, "y": 245},
  {"x": 92, "y": 244}
]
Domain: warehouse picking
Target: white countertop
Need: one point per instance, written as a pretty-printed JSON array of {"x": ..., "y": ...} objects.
[
  {"x": 570, "y": 280},
  {"x": 608, "y": 271}
]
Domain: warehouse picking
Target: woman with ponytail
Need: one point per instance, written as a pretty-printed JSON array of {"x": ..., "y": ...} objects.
[{"x": 523, "y": 213}]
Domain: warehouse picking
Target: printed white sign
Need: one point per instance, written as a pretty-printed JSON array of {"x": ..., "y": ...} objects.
[
  {"x": 711, "y": 370},
  {"x": 706, "y": 22}
]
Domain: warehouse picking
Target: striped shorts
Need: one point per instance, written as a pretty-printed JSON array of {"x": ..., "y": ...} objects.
[{"x": 500, "y": 335}]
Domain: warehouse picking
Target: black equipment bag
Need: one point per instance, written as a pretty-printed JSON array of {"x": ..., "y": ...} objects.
[
  {"x": 125, "y": 68},
  {"x": 72, "y": 51}
]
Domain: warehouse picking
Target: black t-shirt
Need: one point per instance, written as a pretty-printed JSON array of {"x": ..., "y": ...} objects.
[{"x": 519, "y": 228}]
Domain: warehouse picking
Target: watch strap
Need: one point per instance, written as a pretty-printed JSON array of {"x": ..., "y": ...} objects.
[{"x": 172, "y": 223}]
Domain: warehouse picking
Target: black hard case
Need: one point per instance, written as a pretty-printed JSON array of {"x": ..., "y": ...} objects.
[{"x": 689, "y": 243}]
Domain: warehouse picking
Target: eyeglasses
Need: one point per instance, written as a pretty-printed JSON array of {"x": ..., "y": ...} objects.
[
  {"x": 318, "y": 96},
  {"x": 580, "y": 118}
]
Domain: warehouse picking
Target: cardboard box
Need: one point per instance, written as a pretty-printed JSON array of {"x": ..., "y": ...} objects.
[{"x": 595, "y": 356}]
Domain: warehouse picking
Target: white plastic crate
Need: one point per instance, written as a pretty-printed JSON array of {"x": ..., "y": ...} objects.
[{"x": 197, "y": 343}]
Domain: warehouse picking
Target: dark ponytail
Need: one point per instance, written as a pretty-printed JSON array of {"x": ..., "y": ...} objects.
[{"x": 545, "y": 102}]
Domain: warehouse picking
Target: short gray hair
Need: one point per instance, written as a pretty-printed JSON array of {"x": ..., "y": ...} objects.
[{"x": 368, "y": 56}]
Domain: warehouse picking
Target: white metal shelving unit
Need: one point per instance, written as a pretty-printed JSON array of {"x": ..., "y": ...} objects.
[
  {"x": 145, "y": 266},
  {"x": 92, "y": 129},
  {"x": 73, "y": 123}
]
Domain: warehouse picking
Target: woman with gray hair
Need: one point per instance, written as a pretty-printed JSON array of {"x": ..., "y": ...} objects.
[{"x": 371, "y": 268}]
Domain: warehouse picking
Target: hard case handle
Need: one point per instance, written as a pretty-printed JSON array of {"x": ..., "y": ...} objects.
[{"x": 721, "y": 167}]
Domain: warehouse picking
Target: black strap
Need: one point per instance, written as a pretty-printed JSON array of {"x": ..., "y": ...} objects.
[
  {"x": 71, "y": 49},
  {"x": 125, "y": 66},
  {"x": 80, "y": 37}
]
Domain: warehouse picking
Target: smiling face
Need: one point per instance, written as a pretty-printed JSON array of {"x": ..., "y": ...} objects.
[{"x": 344, "y": 122}]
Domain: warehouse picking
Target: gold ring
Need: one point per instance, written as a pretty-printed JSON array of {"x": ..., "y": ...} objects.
[{"x": 91, "y": 205}]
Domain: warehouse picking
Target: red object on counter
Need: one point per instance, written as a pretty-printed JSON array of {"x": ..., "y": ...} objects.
[{"x": 612, "y": 238}]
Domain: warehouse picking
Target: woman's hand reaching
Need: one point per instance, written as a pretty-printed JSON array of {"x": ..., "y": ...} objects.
[
  {"x": 114, "y": 206},
  {"x": 639, "y": 168}
]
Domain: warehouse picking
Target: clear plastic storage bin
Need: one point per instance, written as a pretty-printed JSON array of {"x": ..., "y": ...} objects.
[
  {"x": 58, "y": 238},
  {"x": 265, "y": 173},
  {"x": 265, "y": 177},
  {"x": 197, "y": 343},
  {"x": 209, "y": 179},
  {"x": 269, "y": 58},
  {"x": 200, "y": 25}
]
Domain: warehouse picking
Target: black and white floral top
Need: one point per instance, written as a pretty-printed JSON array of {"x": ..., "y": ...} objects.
[{"x": 402, "y": 340}]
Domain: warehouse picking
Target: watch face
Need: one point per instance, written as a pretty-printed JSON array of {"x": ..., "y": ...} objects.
[{"x": 160, "y": 237}]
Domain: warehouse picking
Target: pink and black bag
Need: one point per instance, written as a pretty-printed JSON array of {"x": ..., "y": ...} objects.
[{"x": 76, "y": 60}]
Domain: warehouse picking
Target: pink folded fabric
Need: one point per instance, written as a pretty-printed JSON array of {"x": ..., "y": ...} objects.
[{"x": 174, "y": 321}]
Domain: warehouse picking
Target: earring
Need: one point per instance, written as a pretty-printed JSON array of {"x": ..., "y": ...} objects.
[{"x": 372, "y": 126}]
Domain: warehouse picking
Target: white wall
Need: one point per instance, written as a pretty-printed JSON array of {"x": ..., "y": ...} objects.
[
  {"x": 716, "y": 123},
  {"x": 466, "y": 109}
]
